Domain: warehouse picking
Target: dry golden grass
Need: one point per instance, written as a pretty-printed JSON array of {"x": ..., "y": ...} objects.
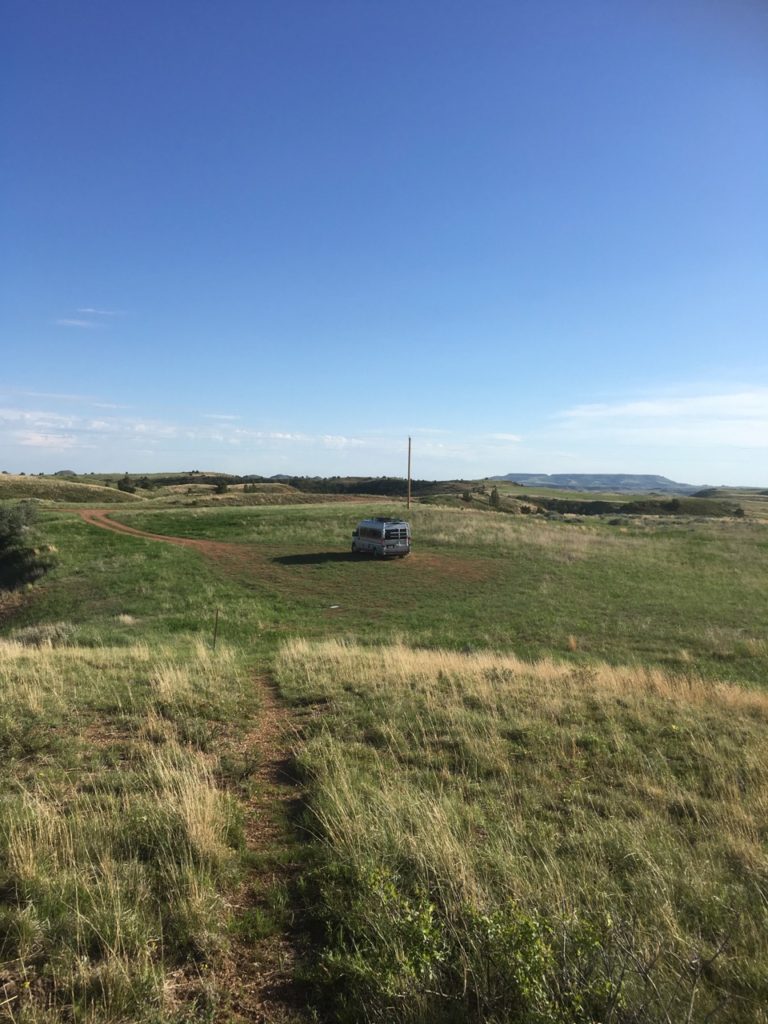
[
  {"x": 116, "y": 842},
  {"x": 598, "y": 793},
  {"x": 465, "y": 529},
  {"x": 13, "y": 486},
  {"x": 493, "y": 677}
]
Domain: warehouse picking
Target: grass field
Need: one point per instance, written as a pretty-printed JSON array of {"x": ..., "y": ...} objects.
[
  {"x": 532, "y": 753},
  {"x": 675, "y": 593}
]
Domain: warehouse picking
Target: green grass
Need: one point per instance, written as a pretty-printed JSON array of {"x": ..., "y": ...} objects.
[
  {"x": 116, "y": 589},
  {"x": 676, "y": 593},
  {"x": 507, "y": 806}
]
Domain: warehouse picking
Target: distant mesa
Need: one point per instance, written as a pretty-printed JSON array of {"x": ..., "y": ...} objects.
[{"x": 614, "y": 482}]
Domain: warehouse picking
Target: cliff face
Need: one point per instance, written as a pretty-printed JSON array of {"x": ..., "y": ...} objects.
[{"x": 615, "y": 482}]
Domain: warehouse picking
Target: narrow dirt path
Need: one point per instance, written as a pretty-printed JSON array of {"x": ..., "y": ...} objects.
[
  {"x": 258, "y": 973},
  {"x": 260, "y": 968}
]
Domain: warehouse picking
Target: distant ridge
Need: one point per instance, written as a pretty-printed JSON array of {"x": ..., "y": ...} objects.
[{"x": 615, "y": 482}]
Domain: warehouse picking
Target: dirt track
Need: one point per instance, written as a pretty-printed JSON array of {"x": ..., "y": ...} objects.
[
  {"x": 100, "y": 517},
  {"x": 258, "y": 974},
  {"x": 229, "y": 556}
]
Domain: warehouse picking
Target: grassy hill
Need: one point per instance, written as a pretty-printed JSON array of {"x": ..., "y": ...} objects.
[
  {"x": 56, "y": 489},
  {"x": 754, "y": 500},
  {"x": 530, "y": 767}
]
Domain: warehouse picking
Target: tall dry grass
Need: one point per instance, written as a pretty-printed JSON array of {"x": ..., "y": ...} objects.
[
  {"x": 457, "y": 527},
  {"x": 117, "y": 845},
  {"x": 619, "y": 811}
]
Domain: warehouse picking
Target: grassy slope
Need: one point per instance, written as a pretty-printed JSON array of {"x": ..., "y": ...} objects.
[
  {"x": 166, "y": 592},
  {"x": 52, "y": 489},
  {"x": 753, "y": 499},
  {"x": 684, "y": 595}
]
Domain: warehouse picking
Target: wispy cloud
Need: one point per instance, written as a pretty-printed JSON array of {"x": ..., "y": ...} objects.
[
  {"x": 223, "y": 438},
  {"x": 102, "y": 318},
  {"x": 101, "y": 312},
  {"x": 55, "y": 395},
  {"x": 731, "y": 418},
  {"x": 37, "y": 418},
  {"x": 52, "y": 442},
  {"x": 240, "y": 435},
  {"x": 83, "y": 399},
  {"x": 67, "y": 322}
]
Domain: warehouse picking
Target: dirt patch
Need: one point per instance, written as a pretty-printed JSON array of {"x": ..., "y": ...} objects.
[{"x": 466, "y": 570}]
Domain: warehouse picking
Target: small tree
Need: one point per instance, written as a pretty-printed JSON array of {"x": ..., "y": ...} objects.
[
  {"x": 127, "y": 485},
  {"x": 19, "y": 564},
  {"x": 494, "y": 499},
  {"x": 221, "y": 487}
]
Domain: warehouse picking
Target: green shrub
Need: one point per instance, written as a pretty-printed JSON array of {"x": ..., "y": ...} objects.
[
  {"x": 19, "y": 563},
  {"x": 395, "y": 952}
]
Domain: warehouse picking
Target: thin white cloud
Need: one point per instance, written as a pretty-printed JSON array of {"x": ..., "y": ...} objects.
[
  {"x": 154, "y": 427},
  {"x": 52, "y": 442},
  {"x": 37, "y": 419},
  {"x": 67, "y": 322},
  {"x": 82, "y": 399},
  {"x": 102, "y": 312},
  {"x": 326, "y": 440},
  {"x": 218, "y": 436},
  {"x": 736, "y": 418},
  {"x": 219, "y": 416},
  {"x": 50, "y": 394},
  {"x": 738, "y": 404}
]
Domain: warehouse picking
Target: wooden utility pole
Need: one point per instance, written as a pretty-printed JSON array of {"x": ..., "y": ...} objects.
[{"x": 409, "y": 473}]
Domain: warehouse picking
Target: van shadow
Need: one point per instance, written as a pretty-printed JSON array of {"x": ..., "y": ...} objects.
[{"x": 318, "y": 558}]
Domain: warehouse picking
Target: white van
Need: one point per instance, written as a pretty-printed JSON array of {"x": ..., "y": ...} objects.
[{"x": 382, "y": 537}]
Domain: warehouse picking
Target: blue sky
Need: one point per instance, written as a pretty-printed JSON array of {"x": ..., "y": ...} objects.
[{"x": 271, "y": 236}]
